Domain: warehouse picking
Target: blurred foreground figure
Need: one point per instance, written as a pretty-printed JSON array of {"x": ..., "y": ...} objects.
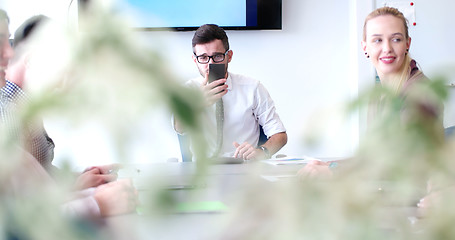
[
  {"x": 27, "y": 174},
  {"x": 31, "y": 132},
  {"x": 36, "y": 141},
  {"x": 110, "y": 199}
]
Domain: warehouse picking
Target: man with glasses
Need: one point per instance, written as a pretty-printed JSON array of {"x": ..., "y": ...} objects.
[{"x": 245, "y": 103}]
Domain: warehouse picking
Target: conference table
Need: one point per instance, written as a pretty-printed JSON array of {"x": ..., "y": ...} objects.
[{"x": 182, "y": 200}]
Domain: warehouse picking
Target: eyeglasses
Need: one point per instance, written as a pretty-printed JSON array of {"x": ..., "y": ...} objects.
[{"x": 217, "y": 58}]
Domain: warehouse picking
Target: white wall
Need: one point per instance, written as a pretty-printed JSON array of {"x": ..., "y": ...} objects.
[
  {"x": 310, "y": 67},
  {"x": 20, "y": 10}
]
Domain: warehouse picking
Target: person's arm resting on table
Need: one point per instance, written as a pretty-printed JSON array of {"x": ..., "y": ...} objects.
[{"x": 272, "y": 146}]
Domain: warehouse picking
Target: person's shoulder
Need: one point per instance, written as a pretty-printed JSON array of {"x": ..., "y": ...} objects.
[
  {"x": 416, "y": 77},
  {"x": 11, "y": 87},
  {"x": 13, "y": 91},
  {"x": 243, "y": 79}
]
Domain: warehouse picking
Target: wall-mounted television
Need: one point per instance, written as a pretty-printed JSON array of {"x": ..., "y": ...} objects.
[{"x": 188, "y": 15}]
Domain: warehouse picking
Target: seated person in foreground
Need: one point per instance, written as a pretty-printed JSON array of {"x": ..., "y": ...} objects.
[
  {"x": 242, "y": 103},
  {"x": 37, "y": 142},
  {"x": 29, "y": 174}
]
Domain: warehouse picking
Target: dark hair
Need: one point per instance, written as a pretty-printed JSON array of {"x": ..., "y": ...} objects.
[
  {"x": 27, "y": 28},
  {"x": 4, "y": 15},
  {"x": 208, "y": 33}
]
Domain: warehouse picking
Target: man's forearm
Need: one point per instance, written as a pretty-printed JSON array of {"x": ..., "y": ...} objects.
[{"x": 276, "y": 142}]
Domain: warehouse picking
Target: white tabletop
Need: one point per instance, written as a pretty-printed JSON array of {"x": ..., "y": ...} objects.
[{"x": 208, "y": 204}]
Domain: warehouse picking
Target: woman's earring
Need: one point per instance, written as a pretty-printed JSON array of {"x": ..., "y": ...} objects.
[
  {"x": 366, "y": 54},
  {"x": 407, "y": 50}
]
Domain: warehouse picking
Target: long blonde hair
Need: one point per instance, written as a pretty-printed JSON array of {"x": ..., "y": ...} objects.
[{"x": 397, "y": 82}]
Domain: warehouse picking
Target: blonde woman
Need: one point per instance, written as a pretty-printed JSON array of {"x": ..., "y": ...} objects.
[{"x": 386, "y": 44}]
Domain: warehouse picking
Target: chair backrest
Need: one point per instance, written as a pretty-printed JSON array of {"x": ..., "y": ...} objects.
[
  {"x": 187, "y": 156},
  {"x": 449, "y": 132},
  {"x": 184, "y": 142},
  {"x": 262, "y": 137}
]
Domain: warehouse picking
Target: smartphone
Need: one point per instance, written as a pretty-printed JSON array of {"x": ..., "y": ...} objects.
[{"x": 216, "y": 71}]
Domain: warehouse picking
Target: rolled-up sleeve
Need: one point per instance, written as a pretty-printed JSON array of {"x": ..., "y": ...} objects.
[{"x": 265, "y": 112}]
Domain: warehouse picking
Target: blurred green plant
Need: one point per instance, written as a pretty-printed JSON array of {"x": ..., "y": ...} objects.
[
  {"x": 374, "y": 194},
  {"x": 102, "y": 72}
]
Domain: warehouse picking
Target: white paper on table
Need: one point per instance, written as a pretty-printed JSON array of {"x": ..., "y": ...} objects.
[
  {"x": 290, "y": 160},
  {"x": 279, "y": 177}
]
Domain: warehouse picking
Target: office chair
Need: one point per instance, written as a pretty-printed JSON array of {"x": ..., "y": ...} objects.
[
  {"x": 449, "y": 132},
  {"x": 262, "y": 137},
  {"x": 184, "y": 142}
]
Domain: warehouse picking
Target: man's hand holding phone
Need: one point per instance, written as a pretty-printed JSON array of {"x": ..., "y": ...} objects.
[
  {"x": 213, "y": 86},
  {"x": 214, "y": 91}
]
